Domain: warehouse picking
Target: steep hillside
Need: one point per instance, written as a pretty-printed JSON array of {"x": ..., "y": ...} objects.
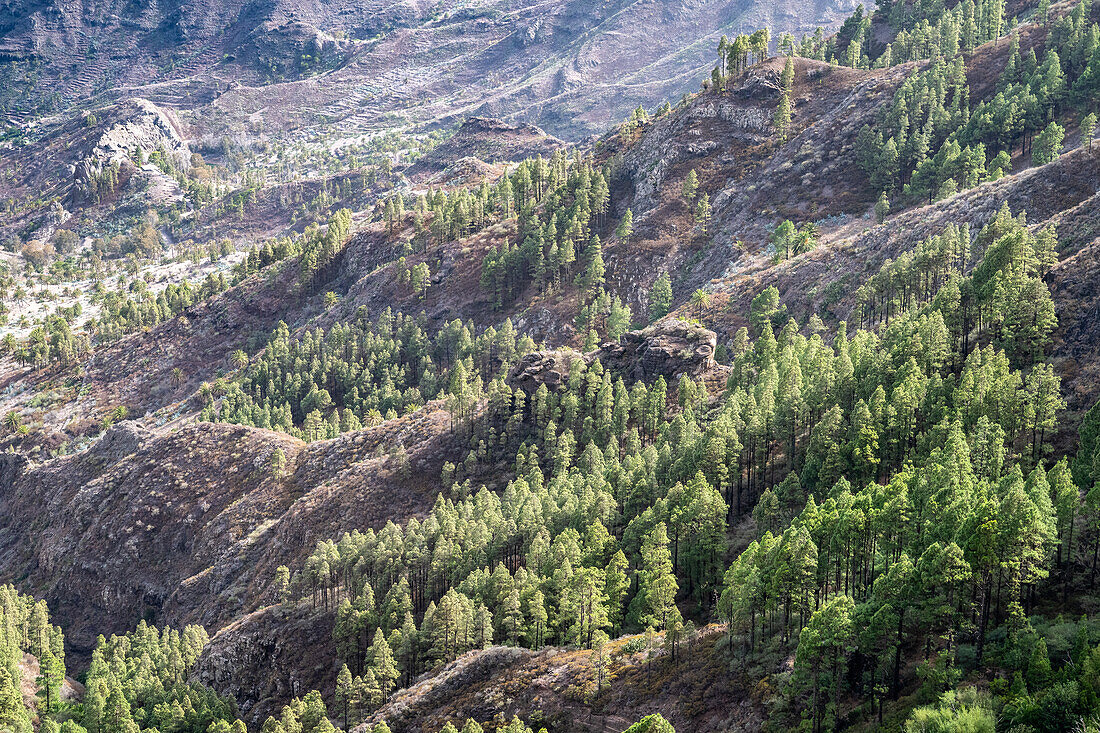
[
  {"x": 753, "y": 183},
  {"x": 188, "y": 526},
  {"x": 569, "y": 66},
  {"x": 825, "y": 281},
  {"x": 770, "y": 409}
]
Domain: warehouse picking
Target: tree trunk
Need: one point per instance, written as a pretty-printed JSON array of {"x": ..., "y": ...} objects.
[{"x": 986, "y": 587}]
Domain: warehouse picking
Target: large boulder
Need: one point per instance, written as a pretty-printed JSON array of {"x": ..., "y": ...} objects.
[
  {"x": 543, "y": 367},
  {"x": 668, "y": 348}
]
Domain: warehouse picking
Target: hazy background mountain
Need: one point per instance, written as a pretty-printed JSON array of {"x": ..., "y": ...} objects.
[{"x": 570, "y": 66}]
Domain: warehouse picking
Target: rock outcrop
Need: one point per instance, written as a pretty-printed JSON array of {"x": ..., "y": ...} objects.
[
  {"x": 550, "y": 368},
  {"x": 668, "y": 348},
  {"x": 136, "y": 125},
  {"x": 703, "y": 129},
  {"x": 295, "y": 49},
  {"x": 187, "y": 525},
  {"x": 268, "y": 657},
  {"x": 469, "y": 672}
]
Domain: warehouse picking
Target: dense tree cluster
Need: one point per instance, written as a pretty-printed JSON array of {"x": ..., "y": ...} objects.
[
  {"x": 919, "y": 505},
  {"x": 52, "y": 342},
  {"x": 25, "y": 628},
  {"x": 898, "y": 477},
  {"x": 359, "y": 373},
  {"x": 320, "y": 251},
  {"x": 135, "y": 308},
  {"x": 139, "y": 681},
  {"x": 924, "y": 30},
  {"x": 559, "y": 205},
  {"x": 313, "y": 239},
  {"x": 931, "y": 141},
  {"x": 737, "y": 55},
  {"x": 1005, "y": 294},
  {"x": 583, "y": 543}
]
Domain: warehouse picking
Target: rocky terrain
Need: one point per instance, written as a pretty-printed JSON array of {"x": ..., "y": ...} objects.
[
  {"x": 669, "y": 348},
  {"x": 238, "y": 125},
  {"x": 569, "y": 66},
  {"x": 559, "y": 684},
  {"x": 186, "y": 524},
  {"x": 480, "y": 140},
  {"x": 195, "y": 521}
]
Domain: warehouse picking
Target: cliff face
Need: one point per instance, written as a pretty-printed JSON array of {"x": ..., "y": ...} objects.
[
  {"x": 133, "y": 127},
  {"x": 268, "y": 657}
]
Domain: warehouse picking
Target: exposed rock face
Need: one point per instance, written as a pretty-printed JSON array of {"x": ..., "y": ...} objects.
[
  {"x": 12, "y": 466},
  {"x": 140, "y": 124},
  {"x": 188, "y": 526},
  {"x": 121, "y": 440},
  {"x": 676, "y": 138},
  {"x": 543, "y": 367},
  {"x": 668, "y": 348},
  {"x": 279, "y": 48},
  {"x": 543, "y": 689},
  {"x": 133, "y": 125},
  {"x": 470, "y": 671},
  {"x": 463, "y": 172},
  {"x": 268, "y": 657}
]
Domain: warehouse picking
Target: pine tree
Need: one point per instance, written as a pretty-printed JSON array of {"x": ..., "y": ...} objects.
[
  {"x": 1088, "y": 127},
  {"x": 657, "y": 585},
  {"x": 344, "y": 693},
  {"x": 882, "y": 207},
  {"x": 690, "y": 186},
  {"x": 660, "y": 297},
  {"x": 702, "y": 212},
  {"x": 781, "y": 121},
  {"x": 382, "y": 665},
  {"x": 601, "y": 658},
  {"x": 1047, "y": 144},
  {"x": 593, "y": 276},
  {"x": 822, "y": 648},
  {"x": 626, "y": 226},
  {"x": 787, "y": 77}
]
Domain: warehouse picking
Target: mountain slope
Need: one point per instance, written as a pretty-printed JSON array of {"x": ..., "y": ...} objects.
[{"x": 571, "y": 67}]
